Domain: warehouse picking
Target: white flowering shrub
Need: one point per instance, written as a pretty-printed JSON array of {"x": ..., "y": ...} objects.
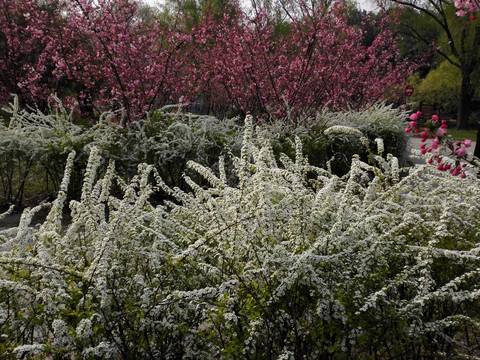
[
  {"x": 35, "y": 147},
  {"x": 168, "y": 141},
  {"x": 378, "y": 121},
  {"x": 292, "y": 262}
]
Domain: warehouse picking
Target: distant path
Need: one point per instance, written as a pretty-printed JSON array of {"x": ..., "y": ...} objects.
[
  {"x": 14, "y": 219},
  {"x": 415, "y": 142}
]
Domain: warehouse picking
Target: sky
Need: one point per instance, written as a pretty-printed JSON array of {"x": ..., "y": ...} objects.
[
  {"x": 367, "y": 5},
  {"x": 364, "y": 4}
]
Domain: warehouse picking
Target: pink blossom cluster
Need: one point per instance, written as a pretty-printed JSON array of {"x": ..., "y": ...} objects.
[
  {"x": 250, "y": 67},
  {"x": 101, "y": 54},
  {"x": 95, "y": 55},
  {"x": 467, "y": 6},
  {"x": 437, "y": 129}
]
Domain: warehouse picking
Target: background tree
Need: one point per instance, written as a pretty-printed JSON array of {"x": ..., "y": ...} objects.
[
  {"x": 26, "y": 65},
  {"x": 319, "y": 60},
  {"x": 458, "y": 44},
  {"x": 419, "y": 34},
  {"x": 124, "y": 60},
  {"x": 96, "y": 55},
  {"x": 440, "y": 88}
]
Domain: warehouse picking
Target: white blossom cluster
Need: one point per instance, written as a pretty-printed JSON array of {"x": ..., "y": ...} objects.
[
  {"x": 379, "y": 121},
  {"x": 291, "y": 262},
  {"x": 33, "y": 142}
]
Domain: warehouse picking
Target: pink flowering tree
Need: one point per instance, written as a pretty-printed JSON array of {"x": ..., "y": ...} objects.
[
  {"x": 101, "y": 54},
  {"x": 26, "y": 63},
  {"x": 121, "y": 61},
  {"x": 441, "y": 148},
  {"x": 96, "y": 55},
  {"x": 321, "y": 60}
]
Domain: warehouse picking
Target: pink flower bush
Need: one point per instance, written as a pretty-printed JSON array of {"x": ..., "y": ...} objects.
[
  {"x": 466, "y": 7},
  {"x": 96, "y": 55},
  {"x": 440, "y": 132},
  {"x": 458, "y": 150}
]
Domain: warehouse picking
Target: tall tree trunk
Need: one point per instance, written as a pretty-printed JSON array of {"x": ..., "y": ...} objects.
[
  {"x": 464, "y": 108},
  {"x": 477, "y": 146},
  {"x": 464, "y": 105}
]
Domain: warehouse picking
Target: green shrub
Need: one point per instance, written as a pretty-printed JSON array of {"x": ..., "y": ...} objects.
[
  {"x": 38, "y": 143},
  {"x": 293, "y": 262},
  {"x": 378, "y": 121}
]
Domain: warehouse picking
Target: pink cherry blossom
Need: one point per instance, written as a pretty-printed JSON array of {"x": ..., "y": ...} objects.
[
  {"x": 455, "y": 148},
  {"x": 467, "y": 6},
  {"x": 460, "y": 152}
]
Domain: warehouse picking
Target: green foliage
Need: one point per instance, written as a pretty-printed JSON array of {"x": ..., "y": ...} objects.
[
  {"x": 441, "y": 88},
  {"x": 455, "y": 41},
  {"x": 460, "y": 135},
  {"x": 292, "y": 262},
  {"x": 419, "y": 30},
  {"x": 192, "y": 10}
]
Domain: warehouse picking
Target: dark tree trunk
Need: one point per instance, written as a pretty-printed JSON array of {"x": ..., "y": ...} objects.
[
  {"x": 86, "y": 108},
  {"x": 464, "y": 108},
  {"x": 477, "y": 146},
  {"x": 464, "y": 105}
]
